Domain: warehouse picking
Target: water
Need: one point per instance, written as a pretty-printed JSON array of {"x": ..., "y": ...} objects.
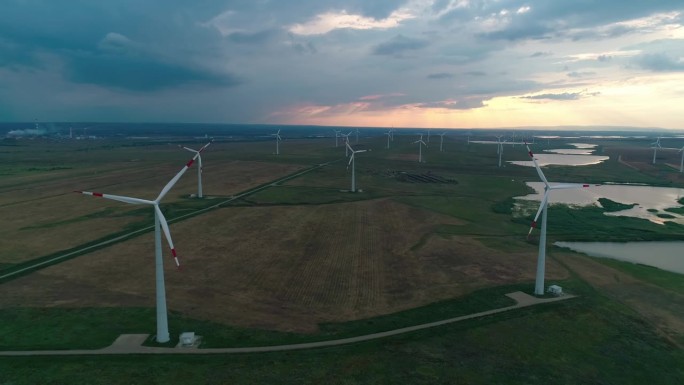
[
  {"x": 663, "y": 255},
  {"x": 646, "y": 197},
  {"x": 562, "y": 160},
  {"x": 571, "y": 151}
]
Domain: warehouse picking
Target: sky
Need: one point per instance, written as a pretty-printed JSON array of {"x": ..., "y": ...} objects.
[{"x": 411, "y": 63}]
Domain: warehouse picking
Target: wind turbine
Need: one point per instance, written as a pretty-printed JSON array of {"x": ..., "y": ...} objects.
[
  {"x": 337, "y": 135},
  {"x": 278, "y": 139},
  {"x": 543, "y": 207},
  {"x": 199, "y": 167},
  {"x": 160, "y": 224},
  {"x": 353, "y": 163},
  {"x": 346, "y": 141},
  {"x": 441, "y": 141},
  {"x": 681, "y": 162},
  {"x": 420, "y": 148},
  {"x": 389, "y": 135},
  {"x": 656, "y": 146},
  {"x": 357, "y": 135},
  {"x": 500, "y": 151}
]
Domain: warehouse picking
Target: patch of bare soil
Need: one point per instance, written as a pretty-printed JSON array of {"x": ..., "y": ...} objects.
[
  {"x": 285, "y": 268},
  {"x": 663, "y": 308},
  {"x": 49, "y": 217}
]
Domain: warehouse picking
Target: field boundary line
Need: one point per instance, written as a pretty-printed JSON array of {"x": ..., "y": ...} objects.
[{"x": 134, "y": 233}]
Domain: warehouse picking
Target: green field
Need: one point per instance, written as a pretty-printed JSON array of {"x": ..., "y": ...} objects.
[{"x": 607, "y": 335}]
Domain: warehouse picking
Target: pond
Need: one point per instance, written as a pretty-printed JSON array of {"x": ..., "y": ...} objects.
[
  {"x": 663, "y": 255},
  {"x": 651, "y": 202}
]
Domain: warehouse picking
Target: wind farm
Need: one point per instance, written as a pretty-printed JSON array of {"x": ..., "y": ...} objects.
[{"x": 422, "y": 241}]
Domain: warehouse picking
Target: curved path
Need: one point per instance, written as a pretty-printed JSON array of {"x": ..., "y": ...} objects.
[{"x": 132, "y": 343}]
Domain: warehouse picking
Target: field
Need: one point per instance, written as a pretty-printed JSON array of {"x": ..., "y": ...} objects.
[{"x": 305, "y": 259}]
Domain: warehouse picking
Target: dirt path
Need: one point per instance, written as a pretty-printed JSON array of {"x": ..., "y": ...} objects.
[{"x": 132, "y": 343}]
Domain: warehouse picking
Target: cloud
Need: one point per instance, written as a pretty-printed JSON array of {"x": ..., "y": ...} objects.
[
  {"x": 398, "y": 45},
  {"x": 331, "y": 21},
  {"x": 660, "y": 62},
  {"x": 476, "y": 73},
  {"x": 561, "y": 96},
  {"x": 541, "y": 54},
  {"x": 450, "y": 104},
  {"x": 440, "y": 75},
  {"x": 576, "y": 74}
]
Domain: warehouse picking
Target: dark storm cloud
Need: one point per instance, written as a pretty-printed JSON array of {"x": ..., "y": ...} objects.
[
  {"x": 440, "y": 75},
  {"x": 139, "y": 73},
  {"x": 398, "y": 45}
]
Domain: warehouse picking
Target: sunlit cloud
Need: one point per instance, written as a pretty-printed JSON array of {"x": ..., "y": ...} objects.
[{"x": 330, "y": 21}]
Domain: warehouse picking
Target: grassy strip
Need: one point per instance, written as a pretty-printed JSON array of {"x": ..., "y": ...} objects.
[
  {"x": 588, "y": 340},
  {"x": 42, "y": 328}
]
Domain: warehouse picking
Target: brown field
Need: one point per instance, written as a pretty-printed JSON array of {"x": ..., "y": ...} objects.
[
  {"x": 286, "y": 268},
  {"x": 41, "y": 215}
]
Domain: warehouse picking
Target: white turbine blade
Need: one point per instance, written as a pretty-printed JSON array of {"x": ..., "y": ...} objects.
[
  {"x": 541, "y": 207},
  {"x": 351, "y": 159},
  {"x": 349, "y": 147},
  {"x": 189, "y": 149},
  {"x": 206, "y": 145},
  {"x": 536, "y": 165},
  {"x": 167, "y": 233},
  {"x": 119, "y": 198},
  {"x": 357, "y": 151},
  {"x": 173, "y": 181}
]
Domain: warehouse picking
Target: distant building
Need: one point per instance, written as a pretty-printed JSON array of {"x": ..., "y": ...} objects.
[{"x": 555, "y": 290}]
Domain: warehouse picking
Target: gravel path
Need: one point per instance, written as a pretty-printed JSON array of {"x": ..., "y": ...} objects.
[{"x": 132, "y": 343}]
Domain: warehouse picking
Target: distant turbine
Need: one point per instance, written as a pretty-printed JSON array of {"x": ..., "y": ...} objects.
[
  {"x": 656, "y": 146},
  {"x": 337, "y": 135},
  {"x": 500, "y": 150},
  {"x": 199, "y": 166},
  {"x": 352, "y": 162},
  {"x": 541, "y": 259},
  {"x": 278, "y": 139},
  {"x": 160, "y": 224},
  {"x": 346, "y": 141},
  {"x": 389, "y": 135},
  {"x": 420, "y": 148},
  {"x": 441, "y": 141}
]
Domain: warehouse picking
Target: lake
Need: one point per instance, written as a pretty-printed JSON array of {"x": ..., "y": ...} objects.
[
  {"x": 656, "y": 199},
  {"x": 663, "y": 255}
]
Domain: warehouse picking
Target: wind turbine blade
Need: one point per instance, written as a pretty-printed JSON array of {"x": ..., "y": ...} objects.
[
  {"x": 167, "y": 233},
  {"x": 351, "y": 159},
  {"x": 206, "y": 145},
  {"x": 541, "y": 207},
  {"x": 119, "y": 198},
  {"x": 357, "y": 151},
  {"x": 189, "y": 149},
  {"x": 349, "y": 147},
  {"x": 536, "y": 165},
  {"x": 173, "y": 181}
]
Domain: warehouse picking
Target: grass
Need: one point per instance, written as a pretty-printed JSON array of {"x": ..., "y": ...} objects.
[
  {"x": 591, "y": 339},
  {"x": 588, "y": 340}
]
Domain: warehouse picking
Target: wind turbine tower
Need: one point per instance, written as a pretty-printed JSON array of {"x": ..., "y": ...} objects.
[
  {"x": 278, "y": 139},
  {"x": 420, "y": 148},
  {"x": 352, "y": 162},
  {"x": 160, "y": 225},
  {"x": 656, "y": 146},
  {"x": 389, "y": 135},
  {"x": 441, "y": 141},
  {"x": 541, "y": 258},
  {"x": 199, "y": 167}
]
